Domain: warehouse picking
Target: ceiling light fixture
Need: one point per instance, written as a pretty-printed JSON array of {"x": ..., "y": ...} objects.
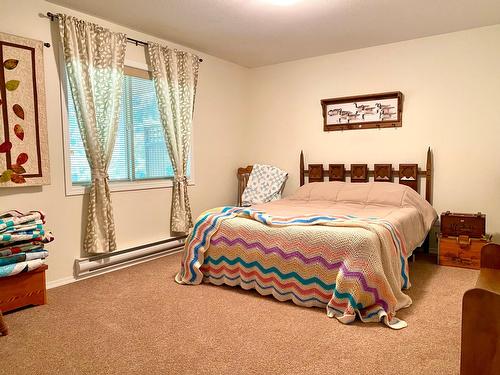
[{"x": 283, "y": 2}]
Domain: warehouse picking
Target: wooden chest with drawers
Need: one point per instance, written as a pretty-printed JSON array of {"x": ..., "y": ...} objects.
[
  {"x": 461, "y": 251},
  {"x": 454, "y": 224},
  {"x": 461, "y": 239}
]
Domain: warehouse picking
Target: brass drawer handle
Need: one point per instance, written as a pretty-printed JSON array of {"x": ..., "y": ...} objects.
[
  {"x": 462, "y": 260},
  {"x": 463, "y": 241}
]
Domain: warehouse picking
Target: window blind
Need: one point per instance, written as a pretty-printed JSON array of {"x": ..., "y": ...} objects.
[{"x": 140, "y": 152}]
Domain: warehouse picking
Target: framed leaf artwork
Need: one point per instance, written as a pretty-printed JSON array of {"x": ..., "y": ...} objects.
[{"x": 24, "y": 157}]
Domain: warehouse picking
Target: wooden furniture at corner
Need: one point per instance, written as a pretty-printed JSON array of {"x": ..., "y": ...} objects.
[
  {"x": 480, "y": 351},
  {"x": 461, "y": 251},
  {"x": 461, "y": 238},
  {"x": 3, "y": 327},
  {"x": 23, "y": 289},
  {"x": 456, "y": 224}
]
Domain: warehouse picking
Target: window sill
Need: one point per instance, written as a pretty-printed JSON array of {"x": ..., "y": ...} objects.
[{"x": 126, "y": 186}]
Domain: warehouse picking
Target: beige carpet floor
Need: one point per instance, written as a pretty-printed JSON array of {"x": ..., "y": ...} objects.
[{"x": 138, "y": 321}]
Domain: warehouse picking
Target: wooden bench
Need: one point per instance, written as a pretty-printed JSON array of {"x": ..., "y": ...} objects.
[
  {"x": 480, "y": 352},
  {"x": 23, "y": 289}
]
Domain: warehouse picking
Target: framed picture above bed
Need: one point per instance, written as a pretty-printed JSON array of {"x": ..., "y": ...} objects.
[{"x": 371, "y": 111}]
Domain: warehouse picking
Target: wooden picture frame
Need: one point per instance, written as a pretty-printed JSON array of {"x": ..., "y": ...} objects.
[{"x": 383, "y": 110}]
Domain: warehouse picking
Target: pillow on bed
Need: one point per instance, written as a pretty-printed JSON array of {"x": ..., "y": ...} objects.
[
  {"x": 318, "y": 191},
  {"x": 381, "y": 193}
]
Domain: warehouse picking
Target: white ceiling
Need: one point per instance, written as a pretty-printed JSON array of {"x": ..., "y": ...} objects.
[{"x": 259, "y": 32}]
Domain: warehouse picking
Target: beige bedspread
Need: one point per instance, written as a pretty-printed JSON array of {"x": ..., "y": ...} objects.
[{"x": 402, "y": 206}]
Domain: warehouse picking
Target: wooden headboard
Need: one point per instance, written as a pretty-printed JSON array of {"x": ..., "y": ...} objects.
[{"x": 407, "y": 174}]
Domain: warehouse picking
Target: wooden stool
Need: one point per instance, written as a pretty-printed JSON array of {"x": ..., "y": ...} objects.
[{"x": 4, "y": 331}]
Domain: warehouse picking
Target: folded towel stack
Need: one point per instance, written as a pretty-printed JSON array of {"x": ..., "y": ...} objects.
[{"x": 22, "y": 241}]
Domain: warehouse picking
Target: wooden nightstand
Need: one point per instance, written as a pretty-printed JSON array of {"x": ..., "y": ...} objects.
[{"x": 461, "y": 238}]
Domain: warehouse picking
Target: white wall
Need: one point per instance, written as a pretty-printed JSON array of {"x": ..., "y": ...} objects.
[
  {"x": 451, "y": 85},
  {"x": 140, "y": 216},
  {"x": 269, "y": 114}
]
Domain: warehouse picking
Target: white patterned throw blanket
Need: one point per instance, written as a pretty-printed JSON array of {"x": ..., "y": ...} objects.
[{"x": 264, "y": 185}]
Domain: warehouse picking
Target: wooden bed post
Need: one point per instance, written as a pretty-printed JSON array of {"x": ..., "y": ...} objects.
[
  {"x": 301, "y": 168},
  {"x": 428, "y": 177}
]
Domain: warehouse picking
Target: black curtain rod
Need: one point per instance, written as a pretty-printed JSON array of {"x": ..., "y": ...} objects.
[{"x": 53, "y": 16}]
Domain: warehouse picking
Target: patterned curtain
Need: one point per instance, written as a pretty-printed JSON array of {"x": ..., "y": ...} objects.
[
  {"x": 94, "y": 58},
  {"x": 175, "y": 74}
]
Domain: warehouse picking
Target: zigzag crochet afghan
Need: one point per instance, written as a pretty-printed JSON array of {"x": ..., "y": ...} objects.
[{"x": 350, "y": 265}]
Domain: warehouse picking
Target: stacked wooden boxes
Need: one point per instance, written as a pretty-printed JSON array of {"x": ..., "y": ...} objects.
[{"x": 461, "y": 239}]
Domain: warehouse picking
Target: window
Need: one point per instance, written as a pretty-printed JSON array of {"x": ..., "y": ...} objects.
[{"x": 140, "y": 153}]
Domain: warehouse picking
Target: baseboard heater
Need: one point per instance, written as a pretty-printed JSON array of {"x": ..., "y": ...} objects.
[{"x": 117, "y": 259}]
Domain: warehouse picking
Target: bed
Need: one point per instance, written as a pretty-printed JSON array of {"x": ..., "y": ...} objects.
[{"x": 343, "y": 246}]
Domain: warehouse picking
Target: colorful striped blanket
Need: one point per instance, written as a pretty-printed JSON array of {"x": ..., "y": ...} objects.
[{"x": 350, "y": 265}]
